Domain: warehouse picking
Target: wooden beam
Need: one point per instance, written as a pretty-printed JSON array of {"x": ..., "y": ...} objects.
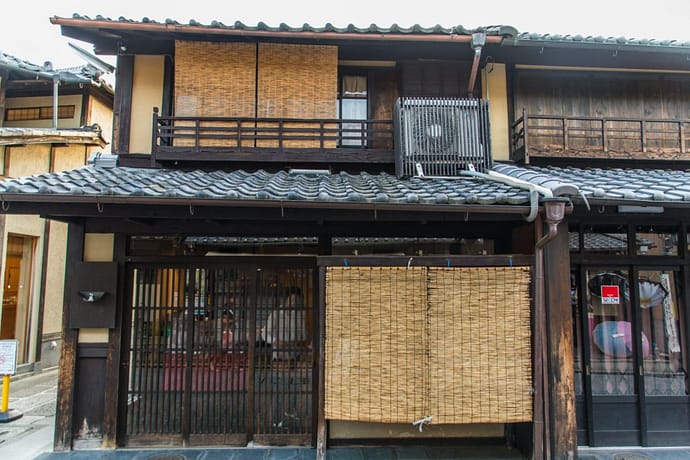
[
  {"x": 68, "y": 352},
  {"x": 559, "y": 343}
]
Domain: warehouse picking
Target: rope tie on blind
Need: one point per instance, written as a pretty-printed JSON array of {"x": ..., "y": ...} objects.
[{"x": 420, "y": 423}]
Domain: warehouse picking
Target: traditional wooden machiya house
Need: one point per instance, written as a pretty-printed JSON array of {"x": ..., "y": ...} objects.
[
  {"x": 327, "y": 236},
  {"x": 50, "y": 120}
]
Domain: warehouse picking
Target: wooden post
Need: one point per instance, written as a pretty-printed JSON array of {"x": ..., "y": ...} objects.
[
  {"x": 4, "y": 75},
  {"x": 321, "y": 429},
  {"x": 122, "y": 105},
  {"x": 559, "y": 343},
  {"x": 68, "y": 352},
  {"x": 112, "y": 370}
]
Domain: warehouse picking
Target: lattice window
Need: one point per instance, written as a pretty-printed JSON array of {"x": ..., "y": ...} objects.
[{"x": 39, "y": 113}]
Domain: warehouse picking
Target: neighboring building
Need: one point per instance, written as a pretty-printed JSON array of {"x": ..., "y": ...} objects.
[
  {"x": 50, "y": 120},
  {"x": 322, "y": 235}
]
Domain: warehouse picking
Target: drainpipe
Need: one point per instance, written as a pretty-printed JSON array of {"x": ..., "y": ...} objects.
[
  {"x": 535, "y": 190},
  {"x": 554, "y": 211},
  {"x": 478, "y": 41},
  {"x": 56, "y": 82}
]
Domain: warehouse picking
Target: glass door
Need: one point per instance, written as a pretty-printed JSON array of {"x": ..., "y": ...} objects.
[
  {"x": 631, "y": 361},
  {"x": 611, "y": 358}
]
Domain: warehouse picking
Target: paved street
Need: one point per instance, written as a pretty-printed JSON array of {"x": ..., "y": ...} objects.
[
  {"x": 32, "y": 434},
  {"x": 31, "y": 438}
]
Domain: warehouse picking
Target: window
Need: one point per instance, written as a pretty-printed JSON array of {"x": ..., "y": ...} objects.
[
  {"x": 38, "y": 113},
  {"x": 352, "y": 105}
]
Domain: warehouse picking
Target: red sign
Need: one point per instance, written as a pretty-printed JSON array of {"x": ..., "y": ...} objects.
[{"x": 610, "y": 294}]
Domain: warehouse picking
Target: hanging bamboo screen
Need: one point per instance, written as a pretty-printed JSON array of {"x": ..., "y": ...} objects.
[
  {"x": 406, "y": 343},
  {"x": 480, "y": 345},
  {"x": 376, "y": 344},
  {"x": 296, "y": 81},
  {"x": 214, "y": 80}
]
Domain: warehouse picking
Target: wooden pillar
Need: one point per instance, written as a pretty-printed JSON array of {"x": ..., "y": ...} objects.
[
  {"x": 4, "y": 75},
  {"x": 112, "y": 380},
  {"x": 66, "y": 377},
  {"x": 122, "y": 104},
  {"x": 321, "y": 426},
  {"x": 561, "y": 401}
]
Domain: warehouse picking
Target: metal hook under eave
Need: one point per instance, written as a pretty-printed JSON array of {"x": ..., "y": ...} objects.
[
  {"x": 602, "y": 209},
  {"x": 282, "y": 209},
  {"x": 99, "y": 206},
  {"x": 467, "y": 214},
  {"x": 5, "y": 206},
  {"x": 191, "y": 209},
  {"x": 409, "y": 262}
]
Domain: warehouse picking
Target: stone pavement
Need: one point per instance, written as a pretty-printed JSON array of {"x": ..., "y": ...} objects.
[
  {"x": 35, "y": 397},
  {"x": 31, "y": 438}
]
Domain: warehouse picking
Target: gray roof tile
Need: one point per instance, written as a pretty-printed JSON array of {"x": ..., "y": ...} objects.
[
  {"x": 372, "y": 29},
  {"x": 557, "y": 39},
  {"x": 261, "y": 185},
  {"x": 656, "y": 186}
]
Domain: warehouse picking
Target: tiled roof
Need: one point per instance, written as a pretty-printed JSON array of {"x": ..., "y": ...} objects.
[
  {"x": 374, "y": 29},
  {"x": 86, "y": 74},
  {"x": 124, "y": 182},
  {"x": 556, "y": 39},
  {"x": 614, "y": 185}
]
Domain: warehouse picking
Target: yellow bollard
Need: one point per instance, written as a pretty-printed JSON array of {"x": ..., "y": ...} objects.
[{"x": 4, "y": 407}]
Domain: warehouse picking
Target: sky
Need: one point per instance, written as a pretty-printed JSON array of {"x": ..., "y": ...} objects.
[{"x": 26, "y": 31}]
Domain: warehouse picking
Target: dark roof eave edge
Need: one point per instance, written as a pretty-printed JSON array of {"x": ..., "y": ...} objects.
[
  {"x": 8, "y": 198},
  {"x": 613, "y": 202},
  {"x": 196, "y": 29}
]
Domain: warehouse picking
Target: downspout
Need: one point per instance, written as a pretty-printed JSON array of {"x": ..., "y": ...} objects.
[
  {"x": 554, "y": 210},
  {"x": 478, "y": 41},
  {"x": 56, "y": 83}
]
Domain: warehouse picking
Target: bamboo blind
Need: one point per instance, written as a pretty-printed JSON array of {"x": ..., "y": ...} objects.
[
  {"x": 375, "y": 343},
  {"x": 480, "y": 345},
  {"x": 214, "y": 80},
  {"x": 406, "y": 343},
  {"x": 297, "y": 81}
]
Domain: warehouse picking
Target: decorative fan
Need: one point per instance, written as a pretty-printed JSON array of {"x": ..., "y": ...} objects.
[
  {"x": 614, "y": 338},
  {"x": 651, "y": 294}
]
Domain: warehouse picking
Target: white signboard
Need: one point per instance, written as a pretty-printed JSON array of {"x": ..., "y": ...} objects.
[{"x": 8, "y": 357}]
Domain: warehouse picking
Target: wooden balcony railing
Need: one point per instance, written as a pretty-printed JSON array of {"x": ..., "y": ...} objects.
[
  {"x": 271, "y": 139},
  {"x": 600, "y": 137}
]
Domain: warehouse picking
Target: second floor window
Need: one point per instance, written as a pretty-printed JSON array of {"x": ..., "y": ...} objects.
[
  {"x": 352, "y": 105},
  {"x": 38, "y": 113}
]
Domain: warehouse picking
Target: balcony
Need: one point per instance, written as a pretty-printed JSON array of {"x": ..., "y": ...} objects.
[
  {"x": 600, "y": 137},
  {"x": 277, "y": 140}
]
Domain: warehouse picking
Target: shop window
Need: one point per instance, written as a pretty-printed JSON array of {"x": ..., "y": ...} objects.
[
  {"x": 606, "y": 240},
  {"x": 654, "y": 241}
]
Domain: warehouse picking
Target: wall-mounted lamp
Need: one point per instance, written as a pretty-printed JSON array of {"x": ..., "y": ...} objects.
[{"x": 91, "y": 296}]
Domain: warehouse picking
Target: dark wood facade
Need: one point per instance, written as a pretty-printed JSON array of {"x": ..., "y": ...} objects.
[{"x": 554, "y": 115}]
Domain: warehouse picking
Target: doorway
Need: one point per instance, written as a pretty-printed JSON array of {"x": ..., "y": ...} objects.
[
  {"x": 220, "y": 352},
  {"x": 631, "y": 355},
  {"x": 16, "y": 300}
]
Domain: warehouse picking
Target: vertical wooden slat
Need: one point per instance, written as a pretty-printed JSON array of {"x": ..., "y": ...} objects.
[{"x": 66, "y": 377}]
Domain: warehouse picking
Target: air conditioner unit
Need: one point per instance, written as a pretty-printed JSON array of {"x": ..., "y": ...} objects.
[{"x": 441, "y": 137}]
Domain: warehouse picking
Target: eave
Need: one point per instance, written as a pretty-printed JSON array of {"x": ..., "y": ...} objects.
[{"x": 27, "y": 136}]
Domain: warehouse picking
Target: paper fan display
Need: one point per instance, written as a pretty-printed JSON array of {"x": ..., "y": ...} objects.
[
  {"x": 651, "y": 294},
  {"x": 614, "y": 338}
]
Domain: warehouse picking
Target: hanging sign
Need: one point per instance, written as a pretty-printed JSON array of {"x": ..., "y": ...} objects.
[
  {"x": 8, "y": 357},
  {"x": 610, "y": 294}
]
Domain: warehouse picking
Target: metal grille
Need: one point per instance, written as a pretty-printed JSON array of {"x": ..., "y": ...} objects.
[
  {"x": 441, "y": 137},
  {"x": 220, "y": 354}
]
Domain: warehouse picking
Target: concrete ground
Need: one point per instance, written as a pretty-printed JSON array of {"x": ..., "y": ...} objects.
[{"x": 31, "y": 438}]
